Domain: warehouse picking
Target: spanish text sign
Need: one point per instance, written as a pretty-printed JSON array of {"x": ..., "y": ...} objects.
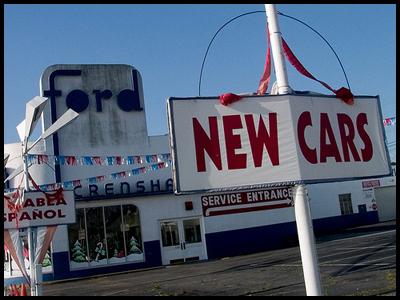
[
  {"x": 274, "y": 140},
  {"x": 39, "y": 210}
]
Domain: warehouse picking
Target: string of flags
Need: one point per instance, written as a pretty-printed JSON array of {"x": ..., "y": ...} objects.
[
  {"x": 389, "y": 121},
  {"x": 97, "y": 160},
  {"x": 95, "y": 179},
  {"x": 157, "y": 162}
]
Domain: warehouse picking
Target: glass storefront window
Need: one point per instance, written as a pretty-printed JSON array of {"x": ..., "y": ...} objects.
[
  {"x": 95, "y": 236},
  {"x": 77, "y": 241},
  {"x": 105, "y": 235},
  {"x": 114, "y": 229},
  {"x": 131, "y": 231}
]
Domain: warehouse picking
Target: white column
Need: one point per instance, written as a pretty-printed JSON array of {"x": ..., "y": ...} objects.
[
  {"x": 308, "y": 249},
  {"x": 277, "y": 49}
]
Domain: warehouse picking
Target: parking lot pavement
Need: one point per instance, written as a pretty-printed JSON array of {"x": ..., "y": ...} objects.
[{"x": 358, "y": 261}]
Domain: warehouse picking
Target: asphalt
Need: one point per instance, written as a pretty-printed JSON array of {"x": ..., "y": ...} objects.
[{"x": 354, "y": 261}]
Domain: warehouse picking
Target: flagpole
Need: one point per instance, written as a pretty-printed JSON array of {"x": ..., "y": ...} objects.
[{"x": 312, "y": 278}]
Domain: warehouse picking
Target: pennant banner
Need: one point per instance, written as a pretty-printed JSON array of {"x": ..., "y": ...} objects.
[
  {"x": 97, "y": 160},
  {"x": 389, "y": 122},
  {"x": 100, "y": 178},
  {"x": 92, "y": 180}
]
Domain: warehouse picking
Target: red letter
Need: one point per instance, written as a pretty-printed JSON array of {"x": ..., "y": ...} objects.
[
  {"x": 204, "y": 143},
  {"x": 257, "y": 141},
  {"x": 347, "y": 140},
  {"x": 61, "y": 202},
  {"x": 232, "y": 141},
  {"x": 24, "y": 216},
  {"x": 304, "y": 121},
  {"x": 368, "y": 151},
  {"x": 37, "y": 214},
  {"x": 11, "y": 216},
  {"x": 29, "y": 202},
  {"x": 50, "y": 214},
  {"x": 51, "y": 202},
  {"x": 328, "y": 149},
  {"x": 40, "y": 202},
  {"x": 60, "y": 215}
]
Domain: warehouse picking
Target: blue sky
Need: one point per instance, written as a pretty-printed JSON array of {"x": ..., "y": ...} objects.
[{"x": 167, "y": 43}]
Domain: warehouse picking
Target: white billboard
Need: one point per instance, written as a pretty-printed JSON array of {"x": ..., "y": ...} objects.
[{"x": 274, "y": 140}]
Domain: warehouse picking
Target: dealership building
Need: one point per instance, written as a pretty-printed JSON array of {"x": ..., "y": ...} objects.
[{"x": 128, "y": 215}]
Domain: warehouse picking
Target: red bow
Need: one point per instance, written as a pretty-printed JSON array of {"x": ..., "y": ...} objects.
[{"x": 229, "y": 98}]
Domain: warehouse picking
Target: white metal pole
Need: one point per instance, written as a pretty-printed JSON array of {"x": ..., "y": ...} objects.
[
  {"x": 10, "y": 261},
  {"x": 30, "y": 229},
  {"x": 308, "y": 249},
  {"x": 25, "y": 162},
  {"x": 38, "y": 280},
  {"x": 277, "y": 49},
  {"x": 305, "y": 231},
  {"x": 31, "y": 259}
]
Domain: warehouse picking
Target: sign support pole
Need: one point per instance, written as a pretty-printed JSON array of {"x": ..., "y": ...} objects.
[
  {"x": 305, "y": 231},
  {"x": 277, "y": 49},
  {"x": 308, "y": 249}
]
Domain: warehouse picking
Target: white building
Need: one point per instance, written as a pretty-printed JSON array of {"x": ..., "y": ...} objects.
[{"x": 127, "y": 216}]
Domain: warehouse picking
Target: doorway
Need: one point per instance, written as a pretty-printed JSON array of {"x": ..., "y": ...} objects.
[
  {"x": 182, "y": 240},
  {"x": 362, "y": 212}
]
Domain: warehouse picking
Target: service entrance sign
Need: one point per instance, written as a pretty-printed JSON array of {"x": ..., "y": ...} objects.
[{"x": 274, "y": 140}]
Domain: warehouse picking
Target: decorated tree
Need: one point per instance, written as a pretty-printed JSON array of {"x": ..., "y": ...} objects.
[
  {"x": 46, "y": 261},
  {"x": 133, "y": 245},
  {"x": 78, "y": 253}
]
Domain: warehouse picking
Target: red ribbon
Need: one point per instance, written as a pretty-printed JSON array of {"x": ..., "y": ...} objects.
[
  {"x": 264, "y": 81},
  {"x": 343, "y": 93},
  {"x": 15, "y": 208},
  {"x": 57, "y": 195}
]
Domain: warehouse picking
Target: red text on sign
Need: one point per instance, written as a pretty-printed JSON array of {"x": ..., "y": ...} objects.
[
  {"x": 210, "y": 143},
  {"x": 42, "y": 202},
  {"x": 347, "y": 131}
]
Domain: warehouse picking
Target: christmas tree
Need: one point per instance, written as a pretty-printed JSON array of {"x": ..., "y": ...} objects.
[
  {"x": 78, "y": 253},
  {"x": 133, "y": 246},
  {"x": 115, "y": 253},
  {"x": 46, "y": 261}
]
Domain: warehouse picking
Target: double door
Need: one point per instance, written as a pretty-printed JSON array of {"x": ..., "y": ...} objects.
[{"x": 182, "y": 240}]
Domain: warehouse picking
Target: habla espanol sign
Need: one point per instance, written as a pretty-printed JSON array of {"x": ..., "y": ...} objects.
[{"x": 39, "y": 210}]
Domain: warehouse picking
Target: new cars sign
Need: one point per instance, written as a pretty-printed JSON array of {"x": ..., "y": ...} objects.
[{"x": 274, "y": 140}]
